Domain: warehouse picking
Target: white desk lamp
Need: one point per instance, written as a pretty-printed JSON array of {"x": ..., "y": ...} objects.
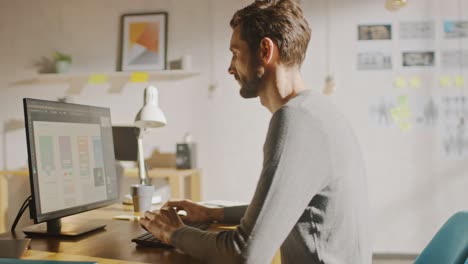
[{"x": 149, "y": 116}]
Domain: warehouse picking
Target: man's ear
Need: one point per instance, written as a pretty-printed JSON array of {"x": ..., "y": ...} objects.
[{"x": 267, "y": 50}]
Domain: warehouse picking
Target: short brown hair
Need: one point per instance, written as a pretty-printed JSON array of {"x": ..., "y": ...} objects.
[{"x": 280, "y": 20}]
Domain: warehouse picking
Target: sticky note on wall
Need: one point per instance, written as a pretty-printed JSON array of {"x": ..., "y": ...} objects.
[
  {"x": 415, "y": 82},
  {"x": 445, "y": 81},
  {"x": 97, "y": 79},
  {"x": 139, "y": 77},
  {"x": 400, "y": 82},
  {"x": 403, "y": 100},
  {"x": 459, "y": 81},
  {"x": 404, "y": 126},
  {"x": 402, "y": 113}
]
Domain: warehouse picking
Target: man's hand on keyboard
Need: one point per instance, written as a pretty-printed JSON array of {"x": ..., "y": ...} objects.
[
  {"x": 162, "y": 223},
  {"x": 196, "y": 212}
]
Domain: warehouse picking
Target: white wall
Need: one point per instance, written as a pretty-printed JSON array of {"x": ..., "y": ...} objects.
[
  {"x": 412, "y": 187},
  {"x": 89, "y": 31}
]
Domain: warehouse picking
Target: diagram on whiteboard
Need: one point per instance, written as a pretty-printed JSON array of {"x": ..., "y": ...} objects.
[
  {"x": 380, "y": 111},
  {"x": 448, "y": 115},
  {"x": 454, "y": 130}
]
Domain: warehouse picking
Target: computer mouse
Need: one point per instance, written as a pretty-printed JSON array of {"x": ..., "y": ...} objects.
[{"x": 182, "y": 213}]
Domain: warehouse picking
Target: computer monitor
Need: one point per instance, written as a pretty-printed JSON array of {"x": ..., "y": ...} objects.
[
  {"x": 125, "y": 142},
  {"x": 71, "y": 164}
]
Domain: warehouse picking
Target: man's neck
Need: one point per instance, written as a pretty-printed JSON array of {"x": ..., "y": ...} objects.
[{"x": 280, "y": 86}]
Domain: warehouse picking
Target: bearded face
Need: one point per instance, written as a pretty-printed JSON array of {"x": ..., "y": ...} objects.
[
  {"x": 250, "y": 84},
  {"x": 245, "y": 66}
]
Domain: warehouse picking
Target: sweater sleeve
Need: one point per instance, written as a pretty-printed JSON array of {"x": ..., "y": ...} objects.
[
  {"x": 295, "y": 168},
  {"x": 233, "y": 214}
]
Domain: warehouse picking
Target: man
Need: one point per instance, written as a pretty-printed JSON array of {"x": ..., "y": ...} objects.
[{"x": 310, "y": 200}]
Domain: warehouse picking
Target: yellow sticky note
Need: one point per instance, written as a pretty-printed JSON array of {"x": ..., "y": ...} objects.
[
  {"x": 395, "y": 113},
  {"x": 404, "y": 126},
  {"x": 405, "y": 111},
  {"x": 138, "y": 77},
  {"x": 459, "y": 81},
  {"x": 415, "y": 82},
  {"x": 445, "y": 81},
  {"x": 402, "y": 100},
  {"x": 402, "y": 113},
  {"x": 97, "y": 79},
  {"x": 400, "y": 82}
]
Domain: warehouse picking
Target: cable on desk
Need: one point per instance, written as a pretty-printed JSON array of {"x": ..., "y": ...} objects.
[{"x": 20, "y": 213}]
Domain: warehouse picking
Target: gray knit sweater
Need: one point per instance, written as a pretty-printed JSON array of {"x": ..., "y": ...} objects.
[{"x": 310, "y": 200}]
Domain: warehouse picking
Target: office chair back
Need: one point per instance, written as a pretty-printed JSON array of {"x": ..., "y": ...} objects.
[{"x": 450, "y": 243}]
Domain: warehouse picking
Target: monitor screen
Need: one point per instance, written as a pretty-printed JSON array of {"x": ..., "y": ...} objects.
[
  {"x": 125, "y": 142},
  {"x": 71, "y": 158}
]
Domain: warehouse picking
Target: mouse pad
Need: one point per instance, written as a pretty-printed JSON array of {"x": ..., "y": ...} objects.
[{"x": 10, "y": 248}]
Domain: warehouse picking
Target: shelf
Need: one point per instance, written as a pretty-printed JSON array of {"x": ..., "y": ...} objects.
[{"x": 117, "y": 80}]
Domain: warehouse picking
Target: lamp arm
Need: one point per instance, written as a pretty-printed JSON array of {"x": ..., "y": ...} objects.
[{"x": 141, "y": 159}]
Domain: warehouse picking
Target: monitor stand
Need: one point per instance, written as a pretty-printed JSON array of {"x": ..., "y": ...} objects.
[{"x": 55, "y": 228}]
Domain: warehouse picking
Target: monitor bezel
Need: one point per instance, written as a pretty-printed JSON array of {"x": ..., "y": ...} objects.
[{"x": 35, "y": 214}]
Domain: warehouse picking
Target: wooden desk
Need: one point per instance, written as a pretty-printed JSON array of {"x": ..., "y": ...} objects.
[
  {"x": 44, "y": 255},
  {"x": 112, "y": 243},
  {"x": 110, "y": 246},
  {"x": 184, "y": 184}
]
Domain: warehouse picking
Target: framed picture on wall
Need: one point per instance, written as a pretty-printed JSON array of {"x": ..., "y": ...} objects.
[{"x": 143, "y": 41}]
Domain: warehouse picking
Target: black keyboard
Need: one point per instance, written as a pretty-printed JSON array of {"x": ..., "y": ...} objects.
[{"x": 148, "y": 240}]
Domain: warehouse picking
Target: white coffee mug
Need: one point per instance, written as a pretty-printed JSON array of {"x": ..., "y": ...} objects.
[
  {"x": 187, "y": 62},
  {"x": 142, "y": 196}
]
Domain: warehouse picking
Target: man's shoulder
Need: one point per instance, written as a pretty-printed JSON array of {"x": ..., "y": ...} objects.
[{"x": 307, "y": 104}]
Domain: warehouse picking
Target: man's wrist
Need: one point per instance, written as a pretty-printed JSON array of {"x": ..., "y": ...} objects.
[
  {"x": 217, "y": 214},
  {"x": 171, "y": 234}
]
